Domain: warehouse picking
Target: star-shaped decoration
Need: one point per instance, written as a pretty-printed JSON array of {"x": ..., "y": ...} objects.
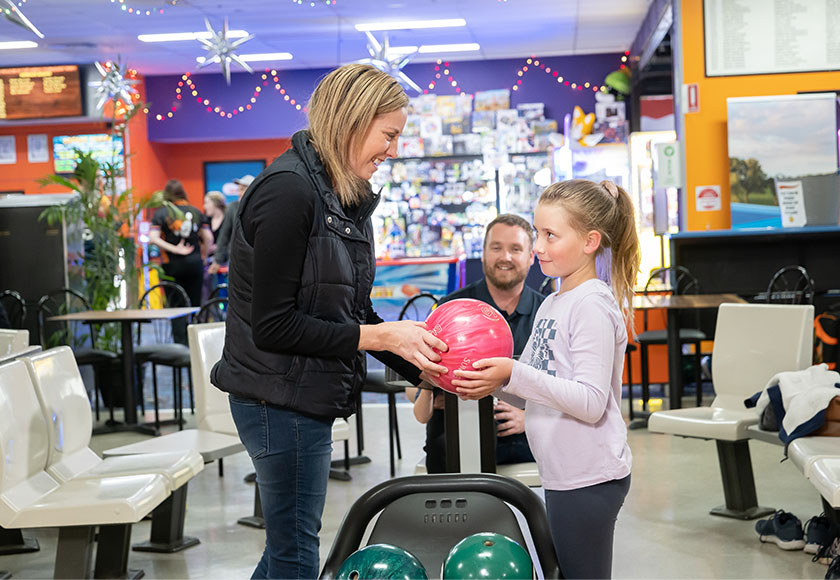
[
  {"x": 114, "y": 85},
  {"x": 220, "y": 48},
  {"x": 13, "y": 14},
  {"x": 382, "y": 58}
]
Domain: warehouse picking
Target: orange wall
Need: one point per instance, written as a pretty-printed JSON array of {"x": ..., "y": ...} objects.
[
  {"x": 150, "y": 165},
  {"x": 24, "y": 176},
  {"x": 185, "y": 161},
  {"x": 706, "y": 156}
]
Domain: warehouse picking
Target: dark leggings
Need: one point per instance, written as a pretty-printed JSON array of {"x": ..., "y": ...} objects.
[{"x": 582, "y": 524}]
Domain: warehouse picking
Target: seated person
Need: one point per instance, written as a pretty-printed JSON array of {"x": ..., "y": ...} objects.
[{"x": 508, "y": 255}]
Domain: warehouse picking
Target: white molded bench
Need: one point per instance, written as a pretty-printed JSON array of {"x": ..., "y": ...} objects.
[
  {"x": 13, "y": 341},
  {"x": 753, "y": 342},
  {"x": 66, "y": 407},
  {"x": 31, "y": 498}
]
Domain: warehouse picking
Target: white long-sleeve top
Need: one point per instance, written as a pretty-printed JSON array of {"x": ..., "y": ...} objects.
[{"x": 570, "y": 376}]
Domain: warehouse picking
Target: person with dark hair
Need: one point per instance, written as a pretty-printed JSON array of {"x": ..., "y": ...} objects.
[
  {"x": 299, "y": 316},
  {"x": 506, "y": 260},
  {"x": 179, "y": 230},
  {"x": 223, "y": 237}
]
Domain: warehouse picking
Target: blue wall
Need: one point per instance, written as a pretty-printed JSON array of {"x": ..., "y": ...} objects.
[{"x": 273, "y": 117}]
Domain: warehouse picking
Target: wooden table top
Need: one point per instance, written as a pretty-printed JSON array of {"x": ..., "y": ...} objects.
[
  {"x": 127, "y": 315},
  {"x": 684, "y": 301}
]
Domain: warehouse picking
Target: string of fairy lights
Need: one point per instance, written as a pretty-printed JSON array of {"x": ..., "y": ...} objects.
[
  {"x": 128, "y": 8},
  {"x": 442, "y": 73},
  {"x": 186, "y": 85}
]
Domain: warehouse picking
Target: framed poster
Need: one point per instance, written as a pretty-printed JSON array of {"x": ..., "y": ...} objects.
[
  {"x": 754, "y": 37},
  {"x": 219, "y": 175}
]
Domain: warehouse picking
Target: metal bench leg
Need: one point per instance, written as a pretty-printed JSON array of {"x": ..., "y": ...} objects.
[
  {"x": 74, "y": 554},
  {"x": 256, "y": 520},
  {"x": 112, "y": 553},
  {"x": 13, "y": 542},
  {"x": 738, "y": 482},
  {"x": 167, "y": 534}
]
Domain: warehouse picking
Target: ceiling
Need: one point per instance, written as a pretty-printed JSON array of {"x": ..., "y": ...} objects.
[{"x": 320, "y": 36}]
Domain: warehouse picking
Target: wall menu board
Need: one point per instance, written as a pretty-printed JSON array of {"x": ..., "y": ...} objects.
[
  {"x": 749, "y": 37},
  {"x": 36, "y": 92}
]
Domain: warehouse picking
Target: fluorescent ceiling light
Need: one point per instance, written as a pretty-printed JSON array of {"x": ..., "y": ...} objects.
[
  {"x": 400, "y": 50},
  {"x": 433, "y": 48},
  {"x": 256, "y": 57},
  {"x": 13, "y": 44},
  {"x": 178, "y": 36},
  {"x": 411, "y": 24}
]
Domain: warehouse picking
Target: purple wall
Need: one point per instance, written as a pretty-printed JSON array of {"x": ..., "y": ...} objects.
[{"x": 273, "y": 117}]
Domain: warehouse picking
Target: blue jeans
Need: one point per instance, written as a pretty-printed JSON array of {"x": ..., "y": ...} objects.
[{"x": 291, "y": 455}]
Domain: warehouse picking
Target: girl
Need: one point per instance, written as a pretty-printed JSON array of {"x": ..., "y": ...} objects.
[{"x": 570, "y": 371}]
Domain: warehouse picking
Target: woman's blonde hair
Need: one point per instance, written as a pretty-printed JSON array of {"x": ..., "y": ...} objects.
[
  {"x": 341, "y": 110},
  {"x": 218, "y": 199},
  {"x": 606, "y": 208}
]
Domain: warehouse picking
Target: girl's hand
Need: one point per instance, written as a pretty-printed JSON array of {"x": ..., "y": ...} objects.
[{"x": 491, "y": 374}]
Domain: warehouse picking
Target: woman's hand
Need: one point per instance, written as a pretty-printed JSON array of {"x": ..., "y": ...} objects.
[
  {"x": 182, "y": 249},
  {"x": 491, "y": 374},
  {"x": 408, "y": 339}
]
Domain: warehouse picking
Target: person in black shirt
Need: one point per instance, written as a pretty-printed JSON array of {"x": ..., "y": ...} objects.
[
  {"x": 183, "y": 239},
  {"x": 299, "y": 314},
  {"x": 508, "y": 255}
]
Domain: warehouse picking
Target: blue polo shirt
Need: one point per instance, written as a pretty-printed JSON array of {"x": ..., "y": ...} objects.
[{"x": 521, "y": 320}]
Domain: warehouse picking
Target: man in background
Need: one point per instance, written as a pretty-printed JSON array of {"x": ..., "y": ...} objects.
[
  {"x": 222, "y": 253},
  {"x": 507, "y": 258}
]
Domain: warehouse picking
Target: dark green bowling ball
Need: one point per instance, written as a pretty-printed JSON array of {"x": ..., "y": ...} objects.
[
  {"x": 381, "y": 561},
  {"x": 487, "y": 555}
]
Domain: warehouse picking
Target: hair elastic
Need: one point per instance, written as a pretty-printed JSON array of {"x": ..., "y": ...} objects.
[{"x": 611, "y": 187}]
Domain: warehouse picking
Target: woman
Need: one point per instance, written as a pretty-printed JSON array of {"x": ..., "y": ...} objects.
[
  {"x": 214, "y": 213},
  {"x": 214, "y": 216},
  {"x": 183, "y": 239},
  {"x": 300, "y": 316}
]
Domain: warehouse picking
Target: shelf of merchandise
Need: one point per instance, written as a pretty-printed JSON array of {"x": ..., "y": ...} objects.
[{"x": 434, "y": 206}]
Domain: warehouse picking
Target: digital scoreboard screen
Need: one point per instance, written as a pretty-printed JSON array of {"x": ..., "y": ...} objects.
[{"x": 37, "y": 92}]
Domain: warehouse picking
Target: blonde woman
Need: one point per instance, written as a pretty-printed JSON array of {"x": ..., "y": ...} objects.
[{"x": 300, "y": 316}]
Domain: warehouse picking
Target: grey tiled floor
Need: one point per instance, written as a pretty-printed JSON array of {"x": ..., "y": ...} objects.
[{"x": 663, "y": 531}]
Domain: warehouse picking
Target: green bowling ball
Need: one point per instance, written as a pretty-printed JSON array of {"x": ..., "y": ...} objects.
[
  {"x": 487, "y": 555},
  {"x": 381, "y": 561}
]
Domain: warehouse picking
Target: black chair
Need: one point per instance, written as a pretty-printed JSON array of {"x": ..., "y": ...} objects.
[
  {"x": 15, "y": 307},
  {"x": 387, "y": 382},
  {"x": 428, "y": 514},
  {"x": 679, "y": 281},
  {"x": 214, "y": 310},
  {"x": 219, "y": 291},
  {"x": 77, "y": 336},
  {"x": 165, "y": 352},
  {"x": 790, "y": 285}
]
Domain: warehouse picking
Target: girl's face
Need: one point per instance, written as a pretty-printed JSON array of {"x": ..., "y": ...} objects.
[
  {"x": 561, "y": 249},
  {"x": 379, "y": 144}
]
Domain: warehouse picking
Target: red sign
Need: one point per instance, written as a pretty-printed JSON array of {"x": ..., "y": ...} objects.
[{"x": 692, "y": 98}]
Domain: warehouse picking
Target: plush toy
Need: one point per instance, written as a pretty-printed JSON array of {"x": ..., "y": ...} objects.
[{"x": 581, "y": 128}]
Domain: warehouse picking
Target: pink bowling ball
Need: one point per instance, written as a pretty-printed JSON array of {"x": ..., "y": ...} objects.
[{"x": 473, "y": 330}]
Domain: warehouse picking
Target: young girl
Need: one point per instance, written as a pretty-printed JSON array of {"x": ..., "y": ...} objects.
[{"x": 570, "y": 371}]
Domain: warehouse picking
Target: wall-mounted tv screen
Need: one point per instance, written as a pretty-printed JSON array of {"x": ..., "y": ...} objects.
[
  {"x": 36, "y": 92},
  {"x": 783, "y": 160},
  {"x": 105, "y": 149}
]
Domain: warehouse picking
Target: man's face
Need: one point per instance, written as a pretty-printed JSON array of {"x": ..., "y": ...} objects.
[{"x": 508, "y": 256}]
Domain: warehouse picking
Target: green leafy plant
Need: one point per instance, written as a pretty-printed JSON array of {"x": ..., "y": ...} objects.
[{"x": 109, "y": 214}]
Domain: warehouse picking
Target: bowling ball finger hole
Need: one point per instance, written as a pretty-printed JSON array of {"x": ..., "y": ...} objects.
[{"x": 354, "y": 575}]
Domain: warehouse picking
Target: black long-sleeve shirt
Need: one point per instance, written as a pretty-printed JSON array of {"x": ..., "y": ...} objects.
[{"x": 276, "y": 222}]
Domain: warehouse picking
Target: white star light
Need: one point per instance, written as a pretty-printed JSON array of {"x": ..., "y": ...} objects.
[
  {"x": 381, "y": 58},
  {"x": 113, "y": 85},
  {"x": 221, "y": 50},
  {"x": 13, "y": 14}
]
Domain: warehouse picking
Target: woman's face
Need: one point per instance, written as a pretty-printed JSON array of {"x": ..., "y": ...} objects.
[
  {"x": 379, "y": 144},
  {"x": 210, "y": 208}
]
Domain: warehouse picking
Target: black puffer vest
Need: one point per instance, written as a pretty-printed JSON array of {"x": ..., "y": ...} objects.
[{"x": 335, "y": 285}]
